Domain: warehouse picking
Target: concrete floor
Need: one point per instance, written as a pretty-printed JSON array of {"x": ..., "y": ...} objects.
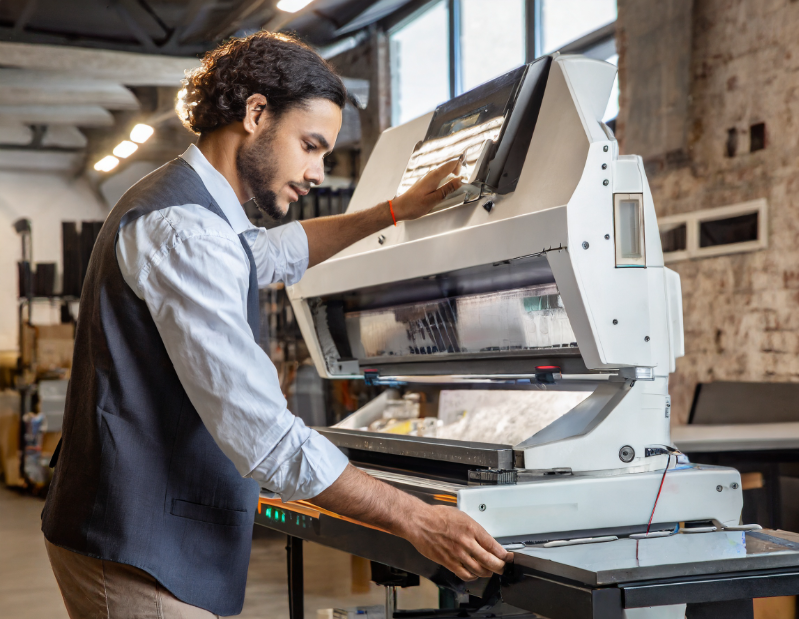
[{"x": 28, "y": 589}]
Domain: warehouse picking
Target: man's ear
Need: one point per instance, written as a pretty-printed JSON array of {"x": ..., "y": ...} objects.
[{"x": 255, "y": 112}]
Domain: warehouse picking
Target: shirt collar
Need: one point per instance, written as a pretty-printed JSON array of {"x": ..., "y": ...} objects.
[{"x": 219, "y": 188}]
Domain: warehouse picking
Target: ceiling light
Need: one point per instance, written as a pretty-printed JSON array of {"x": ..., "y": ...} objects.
[
  {"x": 106, "y": 164},
  {"x": 292, "y": 6},
  {"x": 141, "y": 133},
  {"x": 125, "y": 149}
]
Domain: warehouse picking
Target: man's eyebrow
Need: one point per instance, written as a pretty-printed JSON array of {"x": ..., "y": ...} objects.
[{"x": 322, "y": 141}]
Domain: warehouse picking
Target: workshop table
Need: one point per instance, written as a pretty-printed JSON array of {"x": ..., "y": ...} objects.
[{"x": 717, "y": 574}]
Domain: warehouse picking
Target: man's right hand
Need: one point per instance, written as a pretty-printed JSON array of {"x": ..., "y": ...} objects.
[
  {"x": 452, "y": 539},
  {"x": 442, "y": 534}
]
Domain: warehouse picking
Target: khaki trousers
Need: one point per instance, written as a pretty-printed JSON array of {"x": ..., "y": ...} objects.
[{"x": 97, "y": 589}]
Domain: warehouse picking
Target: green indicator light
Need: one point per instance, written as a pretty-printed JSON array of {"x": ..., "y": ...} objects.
[
  {"x": 284, "y": 518},
  {"x": 268, "y": 512}
]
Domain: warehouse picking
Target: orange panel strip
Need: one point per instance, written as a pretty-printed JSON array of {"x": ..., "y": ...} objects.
[{"x": 314, "y": 511}]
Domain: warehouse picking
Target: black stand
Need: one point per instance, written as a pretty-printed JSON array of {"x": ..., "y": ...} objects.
[{"x": 296, "y": 589}]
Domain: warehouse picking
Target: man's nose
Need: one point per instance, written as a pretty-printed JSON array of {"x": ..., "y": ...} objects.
[{"x": 315, "y": 174}]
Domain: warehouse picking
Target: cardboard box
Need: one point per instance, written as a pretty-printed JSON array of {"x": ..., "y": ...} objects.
[
  {"x": 54, "y": 354},
  {"x": 54, "y": 346},
  {"x": 55, "y": 332}
]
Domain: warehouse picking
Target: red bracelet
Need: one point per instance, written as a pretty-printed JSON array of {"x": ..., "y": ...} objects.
[{"x": 391, "y": 208}]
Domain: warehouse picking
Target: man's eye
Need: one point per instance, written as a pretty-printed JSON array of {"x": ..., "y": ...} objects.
[{"x": 309, "y": 147}]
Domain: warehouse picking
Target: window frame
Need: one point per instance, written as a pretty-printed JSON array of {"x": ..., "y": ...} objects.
[
  {"x": 694, "y": 219},
  {"x": 588, "y": 43}
]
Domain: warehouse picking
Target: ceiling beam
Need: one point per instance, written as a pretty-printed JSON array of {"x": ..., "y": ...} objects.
[
  {"x": 26, "y": 15},
  {"x": 16, "y": 134},
  {"x": 230, "y": 23},
  {"x": 126, "y": 68},
  {"x": 64, "y": 136},
  {"x": 33, "y": 36},
  {"x": 192, "y": 15},
  {"x": 22, "y": 87},
  {"x": 136, "y": 29},
  {"x": 79, "y": 115},
  {"x": 40, "y": 161}
]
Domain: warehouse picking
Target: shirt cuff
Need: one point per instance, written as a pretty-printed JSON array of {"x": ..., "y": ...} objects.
[{"x": 302, "y": 466}]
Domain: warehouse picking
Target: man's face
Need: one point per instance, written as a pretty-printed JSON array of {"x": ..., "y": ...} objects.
[{"x": 280, "y": 160}]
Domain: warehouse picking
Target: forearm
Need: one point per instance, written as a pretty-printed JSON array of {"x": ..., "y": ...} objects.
[
  {"x": 360, "y": 496},
  {"x": 329, "y": 235},
  {"x": 443, "y": 534}
]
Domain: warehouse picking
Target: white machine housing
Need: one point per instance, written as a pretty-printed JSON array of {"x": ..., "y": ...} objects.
[{"x": 576, "y": 203}]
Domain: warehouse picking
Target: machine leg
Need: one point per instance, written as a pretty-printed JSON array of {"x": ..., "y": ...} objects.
[
  {"x": 296, "y": 589},
  {"x": 734, "y": 609},
  {"x": 391, "y": 601}
]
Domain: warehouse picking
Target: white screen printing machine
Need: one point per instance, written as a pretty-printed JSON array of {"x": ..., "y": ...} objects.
[{"x": 544, "y": 272}]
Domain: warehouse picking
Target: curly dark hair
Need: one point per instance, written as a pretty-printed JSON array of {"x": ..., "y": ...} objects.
[{"x": 279, "y": 66}]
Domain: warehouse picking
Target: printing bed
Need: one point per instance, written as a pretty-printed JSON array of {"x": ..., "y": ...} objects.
[{"x": 544, "y": 272}]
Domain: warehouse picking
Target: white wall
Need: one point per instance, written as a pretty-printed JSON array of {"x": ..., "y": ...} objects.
[{"x": 47, "y": 200}]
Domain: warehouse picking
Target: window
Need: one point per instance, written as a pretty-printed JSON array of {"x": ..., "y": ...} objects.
[
  {"x": 492, "y": 41},
  {"x": 564, "y": 21},
  {"x": 452, "y": 46},
  {"x": 715, "y": 231},
  {"x": 728, "y": 230},
  {"x": 420, "y": 64}
]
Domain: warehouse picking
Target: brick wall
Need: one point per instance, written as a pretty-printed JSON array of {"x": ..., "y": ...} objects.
[{"x": 741, "y": 311}]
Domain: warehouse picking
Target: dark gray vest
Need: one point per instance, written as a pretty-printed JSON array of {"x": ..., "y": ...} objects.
[{"x": 139, "y": 480}]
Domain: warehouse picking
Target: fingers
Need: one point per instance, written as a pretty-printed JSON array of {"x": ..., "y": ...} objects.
[
  {"x": 462, "y": 573},
  {"x": 446, "y": 189},
  {"x": 492, "y": 545},
  {"x": 434, "y": 177},
  {"x": 471, "y": 565},
  {"x": 486, "y": 560}
]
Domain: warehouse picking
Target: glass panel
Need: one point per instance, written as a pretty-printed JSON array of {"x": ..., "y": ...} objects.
[
  {"x": 739, "y": 229},
  {"x": 492, "y": 39},
  {"x": 420, "y": 64},
  {"x": 630, "y": 229},
  {"x": 564, "y": 21},
  {"x": 521, "y": 319}
]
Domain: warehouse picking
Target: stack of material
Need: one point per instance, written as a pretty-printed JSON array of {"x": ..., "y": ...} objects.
[{"x": 506, "y": 417}]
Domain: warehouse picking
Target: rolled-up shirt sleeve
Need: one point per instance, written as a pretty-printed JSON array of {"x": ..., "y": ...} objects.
[
  {"x": 281, "y": 254},
  {"x": 196, "y": 290}
]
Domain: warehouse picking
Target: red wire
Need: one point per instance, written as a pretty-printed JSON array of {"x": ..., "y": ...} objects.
[{"x": 662, "y": 479}]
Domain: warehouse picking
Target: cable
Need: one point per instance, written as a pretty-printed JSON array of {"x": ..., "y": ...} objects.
[{"x": 662, "y": 479}]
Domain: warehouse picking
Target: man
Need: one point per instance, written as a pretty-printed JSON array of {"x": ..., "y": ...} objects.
[{"x": 174, "y": 415}]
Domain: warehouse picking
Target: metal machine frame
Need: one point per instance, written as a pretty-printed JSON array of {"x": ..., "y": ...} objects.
[{"x": 552, "y": 224}]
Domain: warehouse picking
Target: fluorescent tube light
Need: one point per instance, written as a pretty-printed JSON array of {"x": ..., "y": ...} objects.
[
  {"x": 292, "y": 6},
  {"x": 141, "y": 133},
  {"x": 125, "y": 149},
  {"x": 106, "y": 164}
]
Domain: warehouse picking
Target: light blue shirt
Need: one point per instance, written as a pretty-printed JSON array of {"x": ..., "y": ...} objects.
[{"x": 190, "y": 269}]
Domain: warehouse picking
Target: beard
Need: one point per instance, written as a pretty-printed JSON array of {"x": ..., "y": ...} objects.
[{"x": 256, "y": 168}]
